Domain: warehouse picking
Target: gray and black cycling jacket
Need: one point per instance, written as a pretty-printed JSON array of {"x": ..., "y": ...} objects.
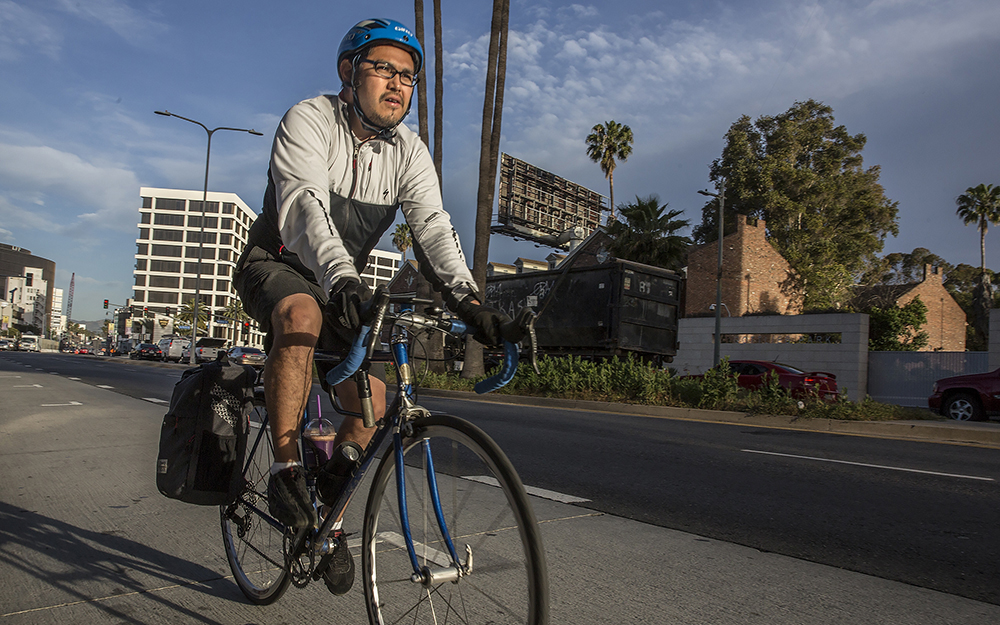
[{"x": 330, "y": 197}]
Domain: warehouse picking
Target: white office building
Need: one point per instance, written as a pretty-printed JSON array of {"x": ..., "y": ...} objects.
[
  {"x": 166, "y": 258},
  {"x": 27, "y": 293}
]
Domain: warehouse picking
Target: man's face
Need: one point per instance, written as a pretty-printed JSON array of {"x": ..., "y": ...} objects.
[{"x": 384, "y": 100}]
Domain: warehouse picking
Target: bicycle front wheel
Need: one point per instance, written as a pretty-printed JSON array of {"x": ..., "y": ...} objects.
[
  {"x": 254, "y": 541},
  {"x": 487, "y": 515}
]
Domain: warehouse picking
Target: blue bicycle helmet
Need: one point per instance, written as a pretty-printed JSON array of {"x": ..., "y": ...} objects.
[{"x": 380, "y": 31}]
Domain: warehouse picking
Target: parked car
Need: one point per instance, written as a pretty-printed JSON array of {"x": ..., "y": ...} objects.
[
  {"x": 800, "y": 384},
  {"x": 247, "y": 356},
  {"x": 971, "y": 397},
  {"x": 173, "y": 348},
  {"x": 146, "y": 351},
  {"x": 5, "y": 345},
  {"x": 206, "y": 350}
]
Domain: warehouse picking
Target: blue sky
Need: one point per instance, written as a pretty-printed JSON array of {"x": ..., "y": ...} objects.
[{"x": 81, "y": 79}]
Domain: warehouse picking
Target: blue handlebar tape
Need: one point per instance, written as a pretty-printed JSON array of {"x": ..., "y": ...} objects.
[
  {"x": 510, "y": 354},
  {"x": 349, "y": 365}
]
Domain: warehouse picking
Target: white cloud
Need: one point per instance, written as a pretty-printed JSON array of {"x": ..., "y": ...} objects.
[
  {"x": 130, "y": 24},
  {"x": 52, "y": 190},
  {"x": 23, "y": 30}
]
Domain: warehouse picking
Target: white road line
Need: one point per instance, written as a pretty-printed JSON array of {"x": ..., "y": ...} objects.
[
  {"x": 104, "y": 386},
  {"x": 72, "y": 403},
  {"x": 156, "y": 400},
  {"x": 423, "y": 551},
  {"x": 74, "y": 379},
  {"x": 531, "y": 490},
  {"x": 28, "y": 386},
  {"x": 53, "y": 373},
  {"x": 871, "y": 466}
]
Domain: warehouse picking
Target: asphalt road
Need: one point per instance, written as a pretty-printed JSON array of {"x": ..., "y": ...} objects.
[{"x": 905, "y": 534}]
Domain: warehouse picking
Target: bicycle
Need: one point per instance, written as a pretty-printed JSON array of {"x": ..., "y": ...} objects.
[{"x": 474, "y": 556}]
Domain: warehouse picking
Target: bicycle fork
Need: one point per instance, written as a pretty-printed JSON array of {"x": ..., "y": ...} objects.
[{"x": 426, "y": 575}]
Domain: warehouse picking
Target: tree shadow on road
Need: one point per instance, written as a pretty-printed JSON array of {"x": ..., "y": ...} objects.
[{"x": 84, "y": 566}]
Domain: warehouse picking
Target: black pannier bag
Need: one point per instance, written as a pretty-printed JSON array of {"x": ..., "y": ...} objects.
[{"x": 203, "y": 439}]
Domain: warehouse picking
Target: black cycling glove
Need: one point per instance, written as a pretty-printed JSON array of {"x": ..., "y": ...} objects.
[
  {"x": 488, "y": 325},
  {"x": 344, "y": 307}
]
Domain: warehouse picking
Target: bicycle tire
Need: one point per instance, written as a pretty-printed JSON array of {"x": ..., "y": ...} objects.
[
  {"x": 508, "y": 583},
  {"x": 255, "y": 547}
]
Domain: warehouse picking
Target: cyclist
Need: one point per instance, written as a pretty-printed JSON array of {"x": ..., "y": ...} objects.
[{"x": 340, "y": 167}]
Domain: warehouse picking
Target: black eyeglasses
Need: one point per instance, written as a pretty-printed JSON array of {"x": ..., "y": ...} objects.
[{"x": 384, "y": 70}]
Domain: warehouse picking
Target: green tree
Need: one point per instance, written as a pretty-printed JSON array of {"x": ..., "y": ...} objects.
[
  {"x": 648, "y": 235},
  {"x": 607, "y": 143},
  {"x": 185, "y": 314},
  {"x": 825, "y": 212},
  {"x": 980, "y": 205},
  {"x": 895, "y": 329},
  {"x": 402, "y": 239}
]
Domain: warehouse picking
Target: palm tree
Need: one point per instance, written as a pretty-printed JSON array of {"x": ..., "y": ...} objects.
[
  {"x": 605, "y": 143},
  {"x": 438, "y": 90},
  {"x": 186, "y": 314},
  {"x": 496, "y": 70},
  {"x": 981, "y": 206},
  {"x": 418, "y": 14},
  {"x": 649, "y": 236},
  {"x": 402, "y": 239}
]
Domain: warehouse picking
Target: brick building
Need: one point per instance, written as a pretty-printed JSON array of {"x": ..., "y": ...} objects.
[
  {"x": 946, "y": 323},
  {"x": 755, "y": 277}
]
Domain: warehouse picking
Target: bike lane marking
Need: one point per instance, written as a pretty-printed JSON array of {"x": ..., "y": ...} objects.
[
  {"x": 870, "y": 466},
  {"x": 531, "y": 490}
]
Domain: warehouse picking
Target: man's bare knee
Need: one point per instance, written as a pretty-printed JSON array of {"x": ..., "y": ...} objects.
[{"x": 296, "y": 321}]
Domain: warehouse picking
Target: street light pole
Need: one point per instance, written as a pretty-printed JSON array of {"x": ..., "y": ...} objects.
[
  {"x": 201, "y": 240},
  {"x": 721, "y": 196}
]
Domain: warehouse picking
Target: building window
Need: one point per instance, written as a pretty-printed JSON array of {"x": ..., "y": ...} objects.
[
  {"x": 385, "y": 262},
  {"x": 223, "y": 254},
  {"x": 190, "y": 267},
  {"x": 227, "y": 224},
  {"x": 143, "y": 233},
  {"x": 161, "y": 297},
  {"x": 222, "y": 285},
  {"x": 140, "y": 264},
  {"x": 222, "y": 270},
  {"x": 221, "y": 301},
  {"x": 169, "y": 205},
  {"x": 192, "y": 252},
  {"x": 142, "y": 248},
  {"x": 191, "y": 284},
  {"x": 147, "y": 202},
  {"x": 384, "y": 273},
  {"x": 165, "y": 282},
  {"x": 140, "y": 280},
  {"x": 228, "y": 208},
  {"x": 140, "y": 296},
  {"x": 168, "y": 220},
  {"x": 144, "y": 218},
  {"x": 210, "y": 207},
  {"x": 225, "y": 239},
  {"x": 196, "y": 237},
  {"x": 166, "y": 266},
  {"x": 167, "y": 250},
  {"x": 168, "y": 235},
  {"x": 194, "y": 221}
]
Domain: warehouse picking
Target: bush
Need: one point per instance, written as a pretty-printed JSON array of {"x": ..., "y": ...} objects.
[{"x": 630, "y": 380}]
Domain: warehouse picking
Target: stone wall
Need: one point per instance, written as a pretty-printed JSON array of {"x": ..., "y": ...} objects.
[{"x": 945, "y": 325}]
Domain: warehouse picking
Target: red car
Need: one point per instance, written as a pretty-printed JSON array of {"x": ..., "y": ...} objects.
[
  {"x": 967, "y": 397},
  {"x": 800, "y": 384}
]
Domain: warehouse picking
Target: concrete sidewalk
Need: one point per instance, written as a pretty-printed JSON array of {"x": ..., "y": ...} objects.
[{"x": 983, "y": 434}]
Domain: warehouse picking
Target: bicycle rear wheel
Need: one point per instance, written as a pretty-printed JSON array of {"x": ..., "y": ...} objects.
[
  {"x": 254, "y": 541},
  {"x": 486, "y": 512}
]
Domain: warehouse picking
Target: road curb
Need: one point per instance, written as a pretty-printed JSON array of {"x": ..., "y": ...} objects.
[{"x": 954, "y": 432}]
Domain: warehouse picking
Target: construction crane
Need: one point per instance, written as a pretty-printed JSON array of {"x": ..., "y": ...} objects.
[{"x": 69, "y": 304}]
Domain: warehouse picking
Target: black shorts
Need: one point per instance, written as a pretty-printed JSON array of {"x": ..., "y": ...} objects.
[{"x": 262, "y": 281}]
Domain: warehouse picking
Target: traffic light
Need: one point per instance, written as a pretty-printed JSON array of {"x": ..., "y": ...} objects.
[
  {"x": 105, "y": 304},
  {"x": 170, "y": 311},
  {"x": 246, "y": 329},
  {"x": 145, "y": 311}
]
